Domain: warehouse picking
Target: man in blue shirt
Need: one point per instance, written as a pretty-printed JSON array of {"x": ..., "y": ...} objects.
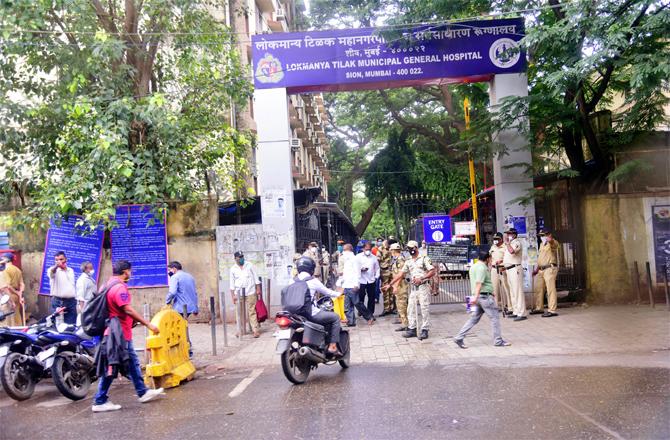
[{"x": 182, "y": 292}]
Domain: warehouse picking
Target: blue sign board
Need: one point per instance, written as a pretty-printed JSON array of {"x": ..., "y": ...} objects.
[
  {"x": 368, "y": 58},
  {"x": 141, "y": 238},
  {"x": 660, "y": 221},
  {"x": 437, "y": 229},
  {"x": 519, "y": 223},
  {"x": 79, "y": 244}
]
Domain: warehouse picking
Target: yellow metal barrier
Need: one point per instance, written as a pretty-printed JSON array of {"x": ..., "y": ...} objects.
[{"x": 170, "y": 364}]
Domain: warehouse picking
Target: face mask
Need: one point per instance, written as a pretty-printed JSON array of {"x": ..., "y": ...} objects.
[
  {"x": 241, "y": 261},
  {"x": 544, "y": 239},
  {"x": 91, "y": 272},
  {"x": 413, "y": 251},
  {"x": 366, "y": 252},
  {"x": 496, "y": 241},
  {"x": 379, "y": 243},
  {"x": 313, "y": 249},
  {"x": 340, "y": 248},
  {"x": 170, "y": 274}
]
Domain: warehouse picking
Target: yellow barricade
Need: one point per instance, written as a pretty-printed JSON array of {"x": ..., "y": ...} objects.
[
  {"x": 170, "y": 364},
  {"x": 338, "y": 307}
]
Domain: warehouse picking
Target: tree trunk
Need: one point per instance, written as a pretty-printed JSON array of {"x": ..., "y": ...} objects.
[{"x": 368, "y": 213}]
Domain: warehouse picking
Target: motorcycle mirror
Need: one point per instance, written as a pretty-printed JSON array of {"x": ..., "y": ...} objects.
[{"x": 4, "y": 300}]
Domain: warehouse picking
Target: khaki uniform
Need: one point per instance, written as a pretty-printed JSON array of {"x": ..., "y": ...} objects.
[
  {"x": 514, "y": 272},
  {"x": 498, "y": 278},
  {"x": 416, "y": 269},
  {"x": 314, "y": 256},
  {"x": 402, "y": 289},
  {"x": 13, "y": 278},
  {"x": 384, "y": 257},
  {"x": 547, "y": 262}
]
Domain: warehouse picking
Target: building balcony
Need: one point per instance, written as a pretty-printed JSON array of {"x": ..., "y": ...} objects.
[{"x": 267, "y": 6}]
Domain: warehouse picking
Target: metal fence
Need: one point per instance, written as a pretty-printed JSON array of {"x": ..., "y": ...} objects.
[{"x": 454, "y": 284}]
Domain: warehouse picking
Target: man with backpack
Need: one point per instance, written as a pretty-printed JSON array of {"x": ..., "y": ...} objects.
[
  {"x": 298, "y": 298},
  {"x": 420, "y": 271},
  {"x": 119, "y": 308}
]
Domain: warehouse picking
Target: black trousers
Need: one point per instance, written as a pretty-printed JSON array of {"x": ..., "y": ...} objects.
[
  {"x": 331, "y": 321},
  {"x": 368, "y": 290}
]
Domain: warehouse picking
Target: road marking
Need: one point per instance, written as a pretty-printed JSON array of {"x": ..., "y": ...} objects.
[
  {"x": 604, "y": 428},
  {"x": 239, "y": 389},
  {"x": 53, "y": 403}
]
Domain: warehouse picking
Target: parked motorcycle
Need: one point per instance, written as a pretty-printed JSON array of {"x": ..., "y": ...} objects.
[
  {"x": 23, "y": 355},
  {"x": 302, "y": 344},
  {"x": 73, "y": 362}
]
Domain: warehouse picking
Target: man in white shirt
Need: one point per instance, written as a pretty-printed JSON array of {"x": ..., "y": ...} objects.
[
  {"x": 350, "y": 282},
  {"x": 369, "y": 273},
  {"x": 330, "y": 320},
  {"x": 62, "y": 288},
  {"x": 244, "y": 282}
]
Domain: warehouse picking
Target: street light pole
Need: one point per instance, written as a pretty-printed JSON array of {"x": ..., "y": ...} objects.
[{"x": 471, "y": 165}]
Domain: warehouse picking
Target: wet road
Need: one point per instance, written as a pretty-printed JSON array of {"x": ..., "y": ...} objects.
[{"x": 467, "y": 401}]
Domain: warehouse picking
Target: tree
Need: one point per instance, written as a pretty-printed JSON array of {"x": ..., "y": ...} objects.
[{"x": 104, "y": 104}]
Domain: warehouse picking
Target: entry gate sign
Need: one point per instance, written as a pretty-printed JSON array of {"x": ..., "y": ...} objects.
[
  {"x": 437, "y": 229},
  {"x": 367, "y": 58}
]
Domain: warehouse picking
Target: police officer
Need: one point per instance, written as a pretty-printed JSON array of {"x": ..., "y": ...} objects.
[
  {"x": 420, "y": 270},
  {"x": 498, "y": 278},
  {"x": 514, "y": 272},
  {"x": 401, "y": 292},
  {"x": 384, "y": 257},
  {"x": 545, "y": 275}
]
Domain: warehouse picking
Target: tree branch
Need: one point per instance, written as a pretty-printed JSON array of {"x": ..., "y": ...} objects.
[
  {"x": 104, "y": 17},
  {"x": 70, "y": 37}
]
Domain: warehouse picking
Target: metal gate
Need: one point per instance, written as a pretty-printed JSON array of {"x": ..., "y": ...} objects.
[{"x": 454, "y": 284}]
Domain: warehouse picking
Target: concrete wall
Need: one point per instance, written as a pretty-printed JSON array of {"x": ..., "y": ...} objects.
[
  {"x": 618, "y": 232},
  {"x": 191, "y": 241}
]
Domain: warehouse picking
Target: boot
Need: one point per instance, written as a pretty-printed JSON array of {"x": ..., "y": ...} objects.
[
  {"x": 423, "y": 335},
  {"x": 410, "y": 333},
  {"x": 401, "y": 329}
]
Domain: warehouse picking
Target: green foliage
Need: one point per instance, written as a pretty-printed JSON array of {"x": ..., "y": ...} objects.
[
  {"x": 382, "y": 223},
  {"x": 628, "y": 169},
  {"x": 96, "y": 113}
]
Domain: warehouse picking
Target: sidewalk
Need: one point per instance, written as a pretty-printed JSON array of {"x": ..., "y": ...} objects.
[{"x": 577, "y": 331}]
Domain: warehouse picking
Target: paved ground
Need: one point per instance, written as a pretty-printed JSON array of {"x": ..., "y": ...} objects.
[
  {"x": 578, "y": 330},
  {"x": 599, "y": 372}
]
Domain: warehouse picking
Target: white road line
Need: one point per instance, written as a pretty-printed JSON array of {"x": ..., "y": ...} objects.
[
  {"x": 53, "y": 403},
  {"x": 605, "y": 429},
  {"x": 239, "y": 389}
]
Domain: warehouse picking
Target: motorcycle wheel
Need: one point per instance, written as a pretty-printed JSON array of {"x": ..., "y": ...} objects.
[
  {"x": 344, "y": 344},
  {"x": 295, "y": 372},
  {"x": 16, "y": 380},
  {"x": 72, "y": 383}
]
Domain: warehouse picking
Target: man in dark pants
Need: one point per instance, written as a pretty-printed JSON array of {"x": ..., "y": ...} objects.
[
  {"x": 369, "y": 273},
  {"x": 350, "y": 284},
  {"x": 62, "y": 288}
]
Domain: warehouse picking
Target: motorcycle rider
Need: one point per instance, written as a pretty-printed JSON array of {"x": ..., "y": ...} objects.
[{"x": 306, "y": 267}]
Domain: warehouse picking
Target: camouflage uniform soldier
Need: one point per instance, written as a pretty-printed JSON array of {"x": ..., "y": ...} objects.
[
  {"x": 420, "y": 270},
  {"x": 402, "y": 290},
  {"x": 384, "y": 256}
]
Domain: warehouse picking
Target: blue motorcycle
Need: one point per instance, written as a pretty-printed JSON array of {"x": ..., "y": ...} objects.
[{"x": 22, "y": 356}]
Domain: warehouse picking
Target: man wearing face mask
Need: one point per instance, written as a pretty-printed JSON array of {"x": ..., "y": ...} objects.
[
  {"x": 312, "y": 252},
  {"x": 336, "y": 265},
  {"x": 420, "y": 270},
  {"x": 545, "y": 275},
  {"x": 182, "y": 290},
  {"x": 244, "y": 282},
  {"x": 369, "y": 273},
  {"x": 483, "y": 296},
  {"x": 514, "y": 270},
  {"x": 498, "y": 278},
  {"x": 401, "y": 292},
  {"x": 86, "y": 284},
  {"x": 62, "y": 288},
  {"x": 384, "y": 256}
]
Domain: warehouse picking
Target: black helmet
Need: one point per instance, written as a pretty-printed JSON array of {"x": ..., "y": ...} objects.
[{"x": 305, "y": 264}]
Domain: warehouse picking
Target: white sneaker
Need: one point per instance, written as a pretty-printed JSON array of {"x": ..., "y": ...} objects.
[
  {"x": 150, "y": 395},
  {"x": 107, "y": 406}
]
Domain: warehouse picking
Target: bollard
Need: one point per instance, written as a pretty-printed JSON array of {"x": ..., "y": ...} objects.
[
  {"x": 243, "y": 312},
  {"x": 650, "y": 287},
  {"x": 667, "y": 293},
  {"x": 636, "y": 278},
  {"x": 267, "y": 302},
  {"x": 222, "y": 304},
  {"x": 212, "y": 311},
  {"x": 146, "y": 315}
]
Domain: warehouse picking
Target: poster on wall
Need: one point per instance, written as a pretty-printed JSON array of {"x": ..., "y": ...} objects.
[
  {"x": 141, "y": 238},
  {"x": 273, "y": 204},
  {"x": 79, "y": 243},
  {"x": 660, "y": 220}
]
